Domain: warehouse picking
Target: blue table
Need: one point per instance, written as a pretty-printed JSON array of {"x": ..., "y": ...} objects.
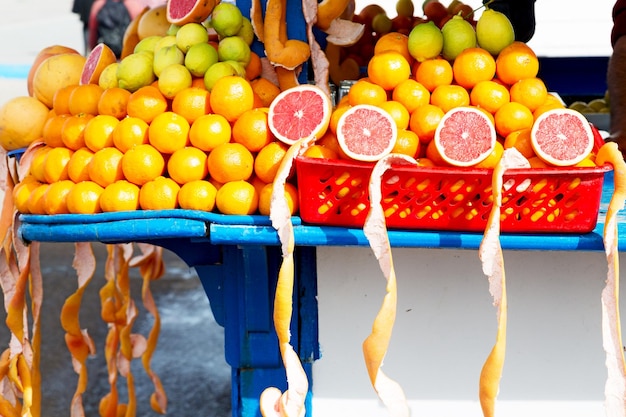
[{"x": 237, "y": 259}]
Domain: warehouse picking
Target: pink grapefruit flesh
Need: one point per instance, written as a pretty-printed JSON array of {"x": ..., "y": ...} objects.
[
  {"x": 299, "y": 112},
  {"x": 179, "y": 12},
  {"x": 562, "y": 137},
  {"x": 366, "y": 133},
  {"x": 97, "y": 60},
  {"x": 465, "y": 136}
]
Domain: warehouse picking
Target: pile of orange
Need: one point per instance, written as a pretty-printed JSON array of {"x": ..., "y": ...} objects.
[
  {"x": 418, "y": 94},
  {"x": 111, "y": 150}
]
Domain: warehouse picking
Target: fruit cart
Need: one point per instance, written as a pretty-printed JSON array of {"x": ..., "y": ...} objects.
[{"x": 237, "y": 258}]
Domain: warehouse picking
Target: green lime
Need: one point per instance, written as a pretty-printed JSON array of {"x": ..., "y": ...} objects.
[
  {"x": 217, "y": 71},
  {"x": 458, "y": 35},
  {"x": 166, "y": 40},
  {"x": 247, "y": 31},
  {"x": 226, "y": 19},
  {"x": 494, "y": 31},
  {"x": 425, "y": 41},
  {"x": 240, "y": 68},
  {"x": 165, "y": 57},
  {"x": 135, "y": 71},
  {"x": 199, "y": 58},
  {"x": 147, "y": 44},
  {"x": 108, "y": 76},
  {"x": 173, "y": 79},
  {"x": 233, "y": 48},
  {"x": 190, "y": 34}
]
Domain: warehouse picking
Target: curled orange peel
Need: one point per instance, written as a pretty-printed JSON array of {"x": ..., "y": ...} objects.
[
  {"x": 273, "y": 402},
  {"x": 615, "y": 387},
  {"x": 287, "y": 53},
  {"x": 329, "y": 10},
  {"x": 490, "y": 254},
  {"x": 376, "y": 344}
]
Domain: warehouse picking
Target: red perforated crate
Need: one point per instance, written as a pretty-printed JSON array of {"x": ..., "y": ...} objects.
[{"x": 334, "y": 193}]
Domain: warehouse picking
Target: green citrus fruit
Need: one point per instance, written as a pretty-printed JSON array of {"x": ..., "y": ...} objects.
[
  {"x": 174, "y": 78},
  {"x": 217, "y": 71},
  {"x": 190, "y": 34},
  {"x": 425, "y": 41},
  {"x": 165, "y": 57},
  {"x": 226, "y": 19},
  {"x": 458, "y": 35},
  {"x": 135, "y": 71},
  {"x": 199, "y": 58},
  {"x": 233, "y": 48},
  {"x": 494, "y": 31}
]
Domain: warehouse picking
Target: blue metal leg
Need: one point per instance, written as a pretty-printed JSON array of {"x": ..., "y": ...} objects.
[{"x": 240, "y": 282}]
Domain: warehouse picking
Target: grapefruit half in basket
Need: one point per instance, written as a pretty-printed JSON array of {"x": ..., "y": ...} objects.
[
  {"x": 299, "y": 112},
  {"x": 366, "y": 133},
  {"x": 465, "y": 136},
  {"x": 562, "y": 137}
]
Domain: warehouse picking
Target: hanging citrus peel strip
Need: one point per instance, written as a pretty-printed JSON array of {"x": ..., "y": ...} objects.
[
  {"x": 376, "y": 344},
  {"x": 273, "y": 402},
  {"x": 490, "y": 253},
  {"x": 615, "y": 388},
  {"x": 287, "y": 53}
]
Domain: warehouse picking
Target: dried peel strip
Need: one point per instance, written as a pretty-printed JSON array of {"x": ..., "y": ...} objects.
[
  {"x": 615, "y": 387},
  {"x": 490, "y": 253},
  {"x": 376, "y": 344},
  {"x": 272, "y": 402},
  {"x": 287, "y": 53},
  {"x": 318, "y": 58}
]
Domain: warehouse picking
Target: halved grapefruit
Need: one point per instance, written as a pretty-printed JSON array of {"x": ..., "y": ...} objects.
[
  {"x": 366, "y": 133},
  {"x": 562, "y": 137},
  {"x": 180, "y": 12},
  {"x": 100, "y": 57},
  {"x": 465, "y": 136},
  {"x": 300, "y": 112}
]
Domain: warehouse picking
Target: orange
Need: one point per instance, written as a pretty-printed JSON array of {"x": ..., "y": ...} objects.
[
  {"x": 197, "y": 195},
  {"x": 84, "y": 198},
  {"x": 98, "y": 132},
  {"x": 146, "y": 103},
  {"x": 52, "y": 130},
  {"x": 55, "y": 197},
  {"x": 169, "y": 132},
  {"x": 411, "y": 94},
  {"x": 120, "y": 196},
  {"x": 54, "y": 73},
  {"x": 251, "y": 130},
  {"x": 237, "y": 197},
  {"x": 73, "y": 131},
  {"x": 84, "y": 99},
  {"x": 549, "y": 104},
  {"x": 407, "y": 143},
  {"x": 511, "y": 117},
  {"x": 265, "y": 198},
  {"x": 113, "y": 102},
  {"x": 55, "y": 165},
  {"x": 424, "y": 121},
  {"x": 473, "y": 65},
  {"x": 320, "y": 151},
  {"x": 394, "y": 41},
  {"x": 398, "y": 113},
  {"x": 36, "y": 200},
  {"x": 329, "y": 141},
  {"x": 366, "y": 92},
  {"x": 187, "y": 164},
  {"x": 192, "y": 103},
  {"x": 520, "y": 140},
  {"x": 106, "y": 166},
  {"x": 142, "y": 163},
  {"x": 448, "y": 97},
  {"x": 77, "y": 167},
  {"x": 254, "y": 67},
  {"x": 37, "y": 163},
  {"x": 336, "y": 115},
  {"x": 489, "y": 95},
  {"x": 209, "y": 131},
  {"x": 493, "y": 158},
  {"x": 159, "y": 194},
  {"x": 536, "y": 162},
  {"x": 433, "y": 155},
  {"x": 268, "y": 160},
  {"x": 531, "y": 92},
  {"x": 265, "y": 90},
  {"x": 231, "y": 96},
  {"x": 432, "y": 73},
  {"x": 516, "y": 62},
  {"x": 230, "y": 162},
  {"x": 388, "y": 69},
  {"x": 61, "y": 99},
  {"x": 130, "y": 132},
  {"x": 22, "y": 191}
]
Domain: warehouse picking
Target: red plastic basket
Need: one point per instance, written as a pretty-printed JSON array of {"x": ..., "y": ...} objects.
[{"x": 334, "y": 193}]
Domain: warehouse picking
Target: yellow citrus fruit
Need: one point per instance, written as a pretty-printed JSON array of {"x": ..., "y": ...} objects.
[
  {"x": 37, "y": 163},
  {"x": 489, "y": 95},
  {"x": 411, "y": 94},
  {"x": 237, "y": 197},
  {"x": 398, "y": 113},
  {"x": 113, "y": 102},
  {"x": 320, "y": 151},
  {"x": 52, "y": 130},
  {"x": 407, "y": 143},
  {"x": 21, "y": 122},
  {"x": 187, "y": 164},
  {"x": 84, "y": 198},
  {"x": 130, "y": 132},
  {"x": 36, "y": 200},
  {"x": 191, "y": 103},
  {"x": 448, "y": 97},
  {"x": 531, "y": 92},
  {"x": 265, "y": 90},
  {"x": 55, "y": 73},
  {"x": 61, "y": 99},
  {"x": 55, "y": 197},
  {"x": 512, "y": 116},
  {"x": 146, "y": 103},
  {"x": 473, "y": 65},
  {"x": 231, "y": 96},
  {"x": 55, "y": 165},
  {"x": 366, "y": 92},
  {"x": 209, "y": 131},
  {"x": 120, "y": 196},
  {"x": 105, "y": 166},
  {"x": 251, "y": 130},
  {"x": 98, "y": 132},
  {"x": 173, "y": 79},
  {"x": 268, "y": 160},
  {"x": 73, "y": 131},
  {"x": 22, "y": 191},
  {"x": 265, "y": 198},
  {"x": 159, "y": 194},
  {"x": 142, "y": 163},
  {"x": 77, "y": 167},
  {"x": 197, "y": 195},
  {"x": 388, "y": 69},
  {"x": 424, "y": 121},
  {"x": 84, "y": 99},
  {"x": 493, "y": 158},
  {"x": 169, "y": 132},
  {"x": 520, "y": 140},
  {"x": 434, "y": 72},
  {"x": 230, "y": 162}
]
